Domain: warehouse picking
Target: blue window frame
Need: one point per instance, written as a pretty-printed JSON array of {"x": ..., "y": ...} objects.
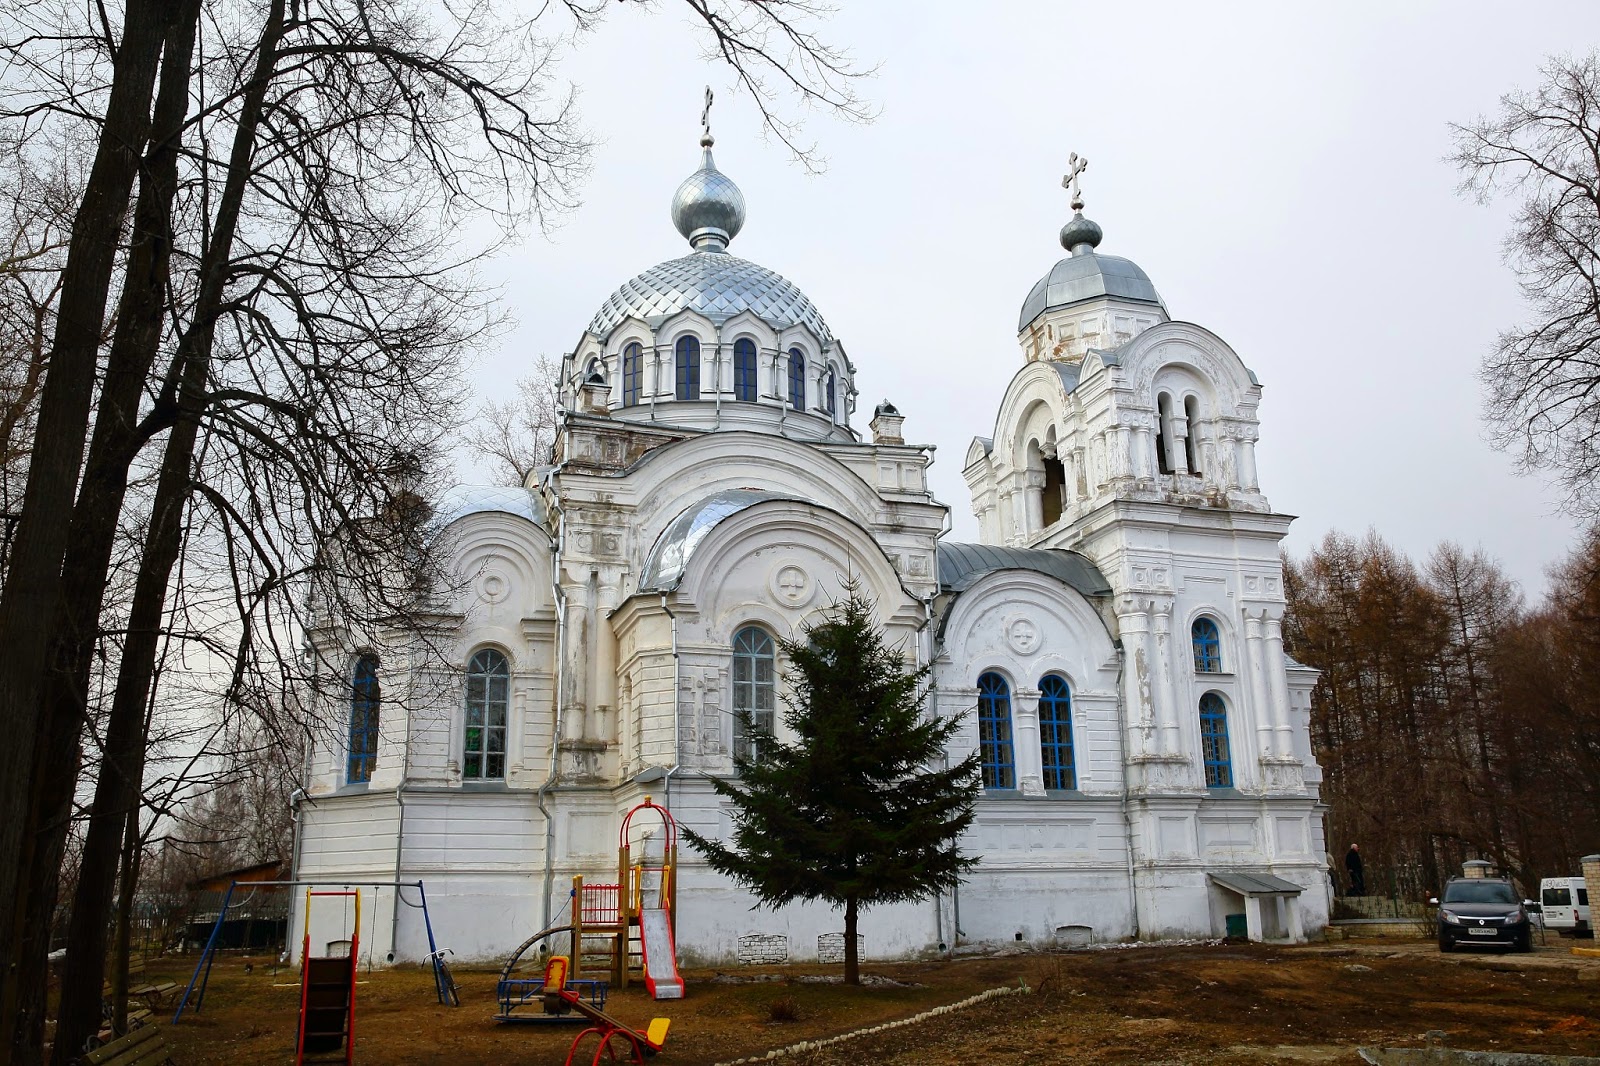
[
  {"x": 744, "y": 370},
  {"x": 797, "y": 379},
  {"x": 1214, "y": 741},
  {"x": 994, "y": 732},
  {"x": 363, "y": 754},
  {"x": 833, "y": 394},
  {"x": 1055, "y": 733},
  {"x": 1207, "y": 647},
  {"x": 632, "y": 374},
  {"x": 754, "y": 688},
  {"x": 488, "y": 700},
  {"x": 688, "y": 368}
]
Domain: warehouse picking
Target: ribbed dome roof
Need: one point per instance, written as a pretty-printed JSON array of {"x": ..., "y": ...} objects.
[
  {"x": 1085, "y": 275},
  {"x": 715, "y": 284}
]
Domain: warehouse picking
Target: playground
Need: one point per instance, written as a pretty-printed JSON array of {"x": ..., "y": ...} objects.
[{"x": 1213, "y": 1003}]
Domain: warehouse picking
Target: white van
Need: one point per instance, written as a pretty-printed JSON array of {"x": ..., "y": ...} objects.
[{"x": 1565, "y": 902}]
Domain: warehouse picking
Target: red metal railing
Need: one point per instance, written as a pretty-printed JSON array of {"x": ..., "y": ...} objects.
[{"x": 600, "y": 904}]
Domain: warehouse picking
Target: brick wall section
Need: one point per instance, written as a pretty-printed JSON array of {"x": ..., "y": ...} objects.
[{"x": 1591, "y": 879}]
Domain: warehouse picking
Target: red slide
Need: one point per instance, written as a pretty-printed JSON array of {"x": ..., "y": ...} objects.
[{"x": 661, "y": 976}]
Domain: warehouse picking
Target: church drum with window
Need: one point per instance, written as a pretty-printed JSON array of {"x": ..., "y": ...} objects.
[{"x": 1113, "y": 642}]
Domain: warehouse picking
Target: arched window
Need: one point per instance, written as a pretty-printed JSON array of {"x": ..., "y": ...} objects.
[
  {"x": 1207, "y": 647},
  {"x": 754, "y": 688},
  {"x": 744, "y": 369},
  {"x": 1191, "y": 441},
  {"x": 832, "y": 397},
  {"x": 483, "y": 756},
  {"x": 363, "y": 755},
  {"x": 1055, "y": 733},
  {"x": 994, "y": 732},
  {"x": 1164, "y": 433},
  {"x": 1214, "y": 741},
  {"x": 688, "y": 368},
  {"x": 632, "y": 374},
  {"x": 797, "y": 379}
]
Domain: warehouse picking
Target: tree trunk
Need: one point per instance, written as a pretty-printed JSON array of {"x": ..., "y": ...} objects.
[
  {"x": 91, "y": 542},
  {"x": 132, "y": 862},
  {"x": 31, "y": 597},
  {"x": 852, "y": 964}
]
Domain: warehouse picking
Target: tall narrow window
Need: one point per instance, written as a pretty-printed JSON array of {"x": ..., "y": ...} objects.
[
  {"x": 994, "y": 732},
  {"x": 832, "y": 397},
  {"x": 688, "y": 368},
  {"x": 488, "y": 698},
  {"x": 797, "y": 379},
  {"x": 1214, "y": 741},
  {"x": 1164, "y": 433},
  {"x": 1207, "y": 647},
  {"x": 363, "y": 754},
  {"x": 632, "y": 374},
  {"x": 744, "y": 370},
  {"x": 1055, "y": 733},
  {"x": 1191, "y": 438},
  {"x": 754, "y": 686}
]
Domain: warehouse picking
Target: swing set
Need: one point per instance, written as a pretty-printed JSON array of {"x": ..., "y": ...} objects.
[{"x": 444, "y": 983}]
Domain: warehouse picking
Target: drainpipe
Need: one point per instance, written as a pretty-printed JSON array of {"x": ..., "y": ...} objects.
[
  {"x": 677, "y": 679},
  {"x": 1127, "y": 819},
  {"x": 399, "y": 840},
  {"x": 556, "y": 546}
]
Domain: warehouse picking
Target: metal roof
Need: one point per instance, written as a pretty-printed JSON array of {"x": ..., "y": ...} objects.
[
  {"x": 462, "y": 500},
  {"x": 669, "y": 557},
  {"x": 714, "y": 284},
  {"x": 962, "y": 565},
  {"x": 1253, "y": 884},
  {"x": 1086, "y": 275}
]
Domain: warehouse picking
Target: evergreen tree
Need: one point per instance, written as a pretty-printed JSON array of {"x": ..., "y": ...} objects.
[{"x": 854, "y": 811}]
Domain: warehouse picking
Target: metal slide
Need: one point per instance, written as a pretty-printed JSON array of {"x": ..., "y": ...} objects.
[{"x": 661, "y": 977}]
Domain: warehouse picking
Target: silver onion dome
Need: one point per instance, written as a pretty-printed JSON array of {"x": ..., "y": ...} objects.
[
  {"x": 1086, "y": 274},
  {"x": 708, "y": 207},
  {"x": 714, "y": 284}
]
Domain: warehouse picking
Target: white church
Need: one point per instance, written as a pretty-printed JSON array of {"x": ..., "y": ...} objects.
[{"x": 1113, "y": 644}]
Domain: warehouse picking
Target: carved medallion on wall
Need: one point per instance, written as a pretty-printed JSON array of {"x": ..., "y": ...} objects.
[
  {"x": 492, "y": 586},
  {"x": 1023, "y": 636},
  {"x": 791, "y": 585}
]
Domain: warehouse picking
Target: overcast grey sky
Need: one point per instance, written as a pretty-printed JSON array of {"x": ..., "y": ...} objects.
[{"x": 1277, "y": 169}]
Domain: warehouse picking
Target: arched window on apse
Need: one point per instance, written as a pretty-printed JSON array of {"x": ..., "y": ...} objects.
[
  {"x": 1214, "y": 741},
  {"x": 483, "y": 751},
  {"x": 744, "y": 370},
  {"x": 1191, "y": 441},
  {"x": 1055, "y": 733},
  {"x": 754, "y": 688},
  {"x": 797, "y": 379},
  {"x": 632, "y": 374},
  {"x": 364, "y": 700},
  {"x": 688, "y": 368},
  {"x": 1207, "y": 646},
  {"x": 994, "y": 732}
]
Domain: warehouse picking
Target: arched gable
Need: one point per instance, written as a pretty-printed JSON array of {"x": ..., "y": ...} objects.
[
  {"x": 1024, "y": 625},
  {"x": 1189, "y": 348}
]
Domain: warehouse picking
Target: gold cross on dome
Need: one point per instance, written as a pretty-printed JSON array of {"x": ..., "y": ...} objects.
[{"x": 1076, "y": 164}]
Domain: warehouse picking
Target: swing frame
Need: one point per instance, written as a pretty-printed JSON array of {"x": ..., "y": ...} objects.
[{"x": 202, "y": 969}]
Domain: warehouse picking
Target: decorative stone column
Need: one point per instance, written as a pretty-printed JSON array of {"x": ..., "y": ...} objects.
[
  {"x": 1133, "y": 624},
  {"x": 1166, "y": 698},
  {"x": 1278, "y": 683},
  {"x": 1025, "y": 753},
  {"x": 1247, "y": 465},
  {"x": 1032, "y": 482},
  {"x": 1255, "y": 669}
]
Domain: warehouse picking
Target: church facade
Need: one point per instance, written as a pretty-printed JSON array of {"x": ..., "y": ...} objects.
[{"x": 1113, "y": 643}]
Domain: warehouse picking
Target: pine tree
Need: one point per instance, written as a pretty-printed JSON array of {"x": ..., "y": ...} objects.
[{"x": 855, "y": 811}]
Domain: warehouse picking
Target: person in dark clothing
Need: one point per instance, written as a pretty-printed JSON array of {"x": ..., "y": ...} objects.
[{"x": 1352, "y": 867}]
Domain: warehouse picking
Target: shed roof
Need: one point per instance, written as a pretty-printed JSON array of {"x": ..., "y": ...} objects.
[
  {"x": 1255, "y": 884},
  {"x": 962, "y": 565}
]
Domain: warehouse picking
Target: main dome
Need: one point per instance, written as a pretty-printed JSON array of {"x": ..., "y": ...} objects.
[{"x": 714, "y": 284}]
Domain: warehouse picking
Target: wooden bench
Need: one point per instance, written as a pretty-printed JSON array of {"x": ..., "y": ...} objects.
[{"x": 144, "y": 1046}]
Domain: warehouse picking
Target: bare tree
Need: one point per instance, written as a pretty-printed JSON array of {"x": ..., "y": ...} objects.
[
  {"x": 516, "y": 437},
  {"x": 1542, "y": 381}
]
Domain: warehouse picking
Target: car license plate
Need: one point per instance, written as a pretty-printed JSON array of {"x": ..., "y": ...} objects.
[{"x": 1482, "y": 932}]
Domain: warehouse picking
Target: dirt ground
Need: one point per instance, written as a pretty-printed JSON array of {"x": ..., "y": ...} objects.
[{"x": 1219, "y": 1003}]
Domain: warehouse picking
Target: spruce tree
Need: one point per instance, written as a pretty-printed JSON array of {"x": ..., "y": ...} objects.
[{"x": 856, "y": 810}]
